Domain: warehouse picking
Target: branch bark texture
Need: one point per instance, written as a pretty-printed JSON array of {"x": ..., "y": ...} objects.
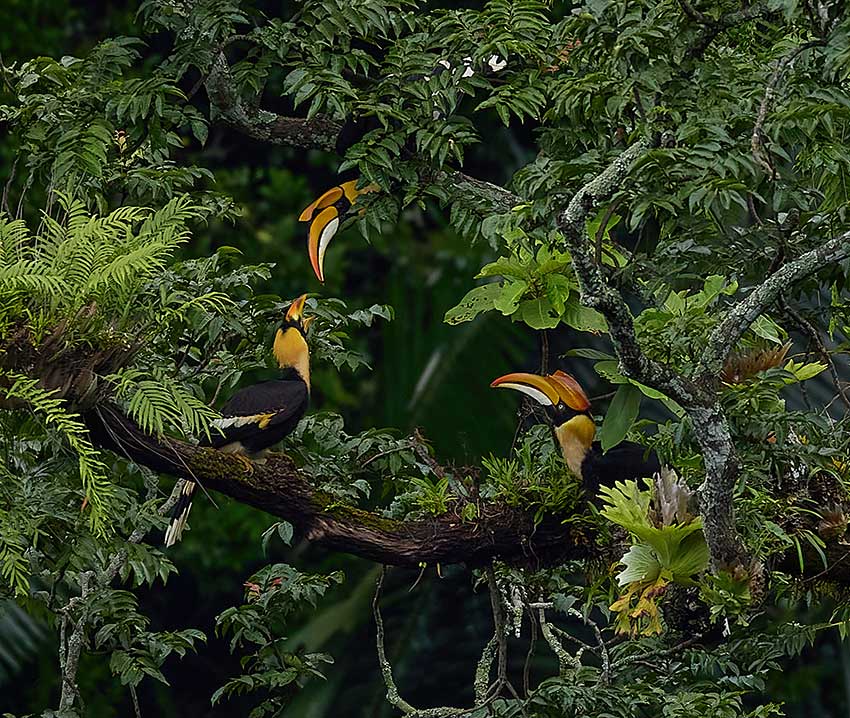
[{"x": 278, "y": 488}]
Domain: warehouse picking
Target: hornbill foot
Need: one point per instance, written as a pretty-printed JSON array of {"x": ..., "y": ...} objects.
[{"x": 246, "y": 462}]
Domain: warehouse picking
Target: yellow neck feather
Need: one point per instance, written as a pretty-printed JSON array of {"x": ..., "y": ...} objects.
[
  {"x": 576, "y": 437},
  {"x": 291, "y": 350}
]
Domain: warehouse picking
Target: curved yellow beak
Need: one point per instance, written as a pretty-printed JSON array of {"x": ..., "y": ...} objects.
[
  {"x": 537, "y": 387},
  {"x": 546, "y": 390},
  {"x": 296, "y": 309},
  {"x": 326, "y": 199},
  {"x": 322, "y": 231}
]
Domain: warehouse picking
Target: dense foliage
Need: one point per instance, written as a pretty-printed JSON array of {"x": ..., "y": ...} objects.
[{"x": 672, "y": 226}]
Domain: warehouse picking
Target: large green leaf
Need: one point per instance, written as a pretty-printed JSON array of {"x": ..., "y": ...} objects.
[
  {"x": 508, "y": 299},
  {"x": 476, "y": 301},
  {"x": 583, "y": 318},
  {"x": 620, "y": 417},
  {"x": 610, "y": 369},
  {"x": 641, "y": 565},
  {"x": 539, "y": 314}
]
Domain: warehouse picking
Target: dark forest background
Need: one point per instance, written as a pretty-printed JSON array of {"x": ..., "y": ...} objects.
[{"x": 425, "y": 374}]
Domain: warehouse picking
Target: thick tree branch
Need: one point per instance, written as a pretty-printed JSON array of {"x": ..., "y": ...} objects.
[
  {"x": 321, "y": 133},
  {"x": 318, "y": 133},
  {"x": 712, "y": 28},
  {"x": 597, "y": 293},
  {"x": 280, "y": 489},
  {"x": 726, "y": 335}
]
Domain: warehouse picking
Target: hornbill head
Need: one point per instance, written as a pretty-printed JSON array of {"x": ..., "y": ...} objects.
[
  {"x": 324, "y": 216},
  {"x": 290, "y": 340},
  {"x": 567, "y": 406}
]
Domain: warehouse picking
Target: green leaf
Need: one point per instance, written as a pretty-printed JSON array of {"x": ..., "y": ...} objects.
[
  {"x": 587, "y": 353},
  {"x": 477, "y": 300},
  {"x": 563, "y": 603},
  {"x": 508, "y": 300},
  {"x": 539, "y": 314},
  {"x": 583, "y": 318},
  {"x": 766, "y": 328},
  {"x": 641, "y": 565},
  {"x": 690, "y": 558},
  {"x": 620, "y": 416},
  {"x": 804, "y": 372}
]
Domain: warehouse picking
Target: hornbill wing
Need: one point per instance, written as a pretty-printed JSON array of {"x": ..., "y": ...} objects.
[
  {"x": 259, "y": 407},
  {"x": 256, "y": 417},
  {"x": 626, "y": 461}
]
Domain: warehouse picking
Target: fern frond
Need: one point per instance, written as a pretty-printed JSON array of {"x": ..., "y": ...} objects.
[
  {"x": 159, "y": 404},
  {"x": 98, "y": 490},
  {"x": 29, "y": 275},
  {"x": 13, "y": 563},
  {"x": 13, "y": 233}
]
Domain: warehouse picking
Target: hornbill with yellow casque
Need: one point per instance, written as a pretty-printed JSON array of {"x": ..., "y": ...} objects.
[
  {"x": 568, "y": 409},
  {"x": 331, "y": 209},
  {"x": 325, "y": 215},
  {"x": 259, "y": 416}
]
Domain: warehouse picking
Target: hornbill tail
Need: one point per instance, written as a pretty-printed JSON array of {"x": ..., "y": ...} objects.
[{"x": 180, "y": 514}]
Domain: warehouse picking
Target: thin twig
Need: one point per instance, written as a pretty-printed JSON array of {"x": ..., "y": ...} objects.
[
  {"x": 695, "y": 14},
  {"x": 380, "y": 454},
  {"x": 136, "y": 709},
  {"x": 74, "y": 645},
  {"x": 759, "y": 154},
  {"x": 663, "y": 653},
  {"x": 806, "y": 328},
  {"x": 393, "y": 695},
  {"x": 565, "y": 660},
  {"x": 420, "y": 447},
  {"x": 544, "y": 351},
  {"x": 526, "y": 669},
  {"x": 4, "y": 203},
  {"x": 498, "y": 622}
]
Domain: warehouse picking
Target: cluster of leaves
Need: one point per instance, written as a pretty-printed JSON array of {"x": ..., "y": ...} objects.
[
  {"x": 647, "y": 674},
  {"x": 272, "y": 596},
  {"x": 120, "y": 629},
  {"x": 538, "y": 285},
  {"x": 86, "y": 128},
  {"x": 82, "y": 283},
  {"x": 534, "y": 479},
  {"x": 350, "y": 467}
]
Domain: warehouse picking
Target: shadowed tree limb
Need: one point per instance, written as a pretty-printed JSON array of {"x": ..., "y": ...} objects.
[
  {"x": 278, "y": 488},
  {"x": 740, "y": 318},
  {"x": 760, "y": 155},
  {"x": 321, "y": 133}
]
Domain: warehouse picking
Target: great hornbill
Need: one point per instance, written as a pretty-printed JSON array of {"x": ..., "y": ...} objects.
[
  {"x": 326, "y": 213},
  {"x": 568, "y": 409},
  {"x": 259, "y": 416}
]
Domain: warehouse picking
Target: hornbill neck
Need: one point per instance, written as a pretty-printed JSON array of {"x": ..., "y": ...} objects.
[
  {"x": 292, "y": 354},
  {"x": 576, "y": 439}
]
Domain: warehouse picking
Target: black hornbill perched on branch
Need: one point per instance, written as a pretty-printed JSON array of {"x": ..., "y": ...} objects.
[
  {"x": 259, "y": 416},
  {"x": 568, "y": 409}
]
